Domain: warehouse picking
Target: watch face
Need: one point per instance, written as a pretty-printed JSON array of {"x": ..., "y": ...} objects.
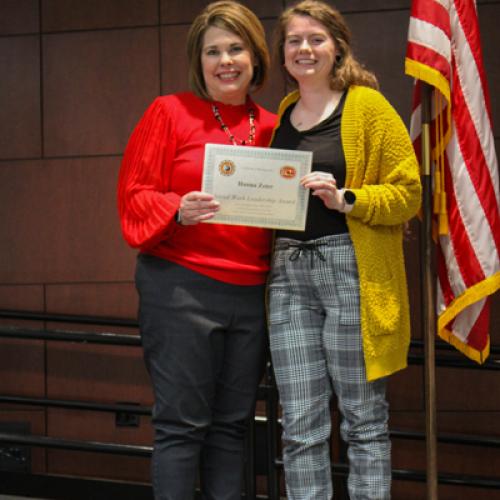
[{"x": 349, "y": 197}]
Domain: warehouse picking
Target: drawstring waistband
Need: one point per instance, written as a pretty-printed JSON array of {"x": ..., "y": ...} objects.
[{"x": 302, "y": 247}]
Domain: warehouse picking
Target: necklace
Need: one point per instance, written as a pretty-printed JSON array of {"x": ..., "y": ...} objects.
[{"x": 235, "y": 142}]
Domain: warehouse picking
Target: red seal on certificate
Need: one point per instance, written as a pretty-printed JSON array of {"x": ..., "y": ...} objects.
[
  {"x": 227, "y": 167},
  {"x": 288, "y": 172}
]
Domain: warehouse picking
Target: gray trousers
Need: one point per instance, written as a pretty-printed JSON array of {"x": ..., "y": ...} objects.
[
  {"x": 203, "y": 346},
  {"x": 316, "y": 348}
]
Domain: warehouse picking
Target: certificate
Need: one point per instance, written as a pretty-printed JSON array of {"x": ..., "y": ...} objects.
[{"x": 257, "y": 186}]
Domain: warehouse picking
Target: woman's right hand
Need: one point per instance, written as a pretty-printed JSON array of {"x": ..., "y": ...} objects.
[
  {"x": 197, "y": 206},
  {"x": 324, "y": 186}
]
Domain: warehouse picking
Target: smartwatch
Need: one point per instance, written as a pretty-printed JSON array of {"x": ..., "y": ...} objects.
[{"x": 349, "y": 197}]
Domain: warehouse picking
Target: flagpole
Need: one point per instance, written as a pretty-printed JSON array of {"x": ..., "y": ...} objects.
[{"x": 428, "y": 297}]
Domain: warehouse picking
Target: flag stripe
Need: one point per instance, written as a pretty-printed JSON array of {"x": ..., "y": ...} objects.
[
  {"x": 467, "y": 73},
  {"x": 426, "y": 55},
  {"x": 433, "y": 13},
  {"x": 466, "y": 262},
  {"x": 467, "y": 152},
  {"x": 469, "y": 28},
  {"x": 479, "y": 329},
  {"x": 465, "y": 198}
]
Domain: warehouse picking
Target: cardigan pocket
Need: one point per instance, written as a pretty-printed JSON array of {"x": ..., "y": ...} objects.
[{"x": 383, "y": 307}]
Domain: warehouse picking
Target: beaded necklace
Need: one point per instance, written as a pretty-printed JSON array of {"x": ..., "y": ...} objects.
[{"x": 235, "y": 142}]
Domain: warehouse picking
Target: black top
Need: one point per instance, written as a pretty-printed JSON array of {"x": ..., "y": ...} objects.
[{"x": 328, "y": 156}]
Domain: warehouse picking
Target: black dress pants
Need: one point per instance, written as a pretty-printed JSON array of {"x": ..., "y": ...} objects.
[{"x": 203, "y": 346}]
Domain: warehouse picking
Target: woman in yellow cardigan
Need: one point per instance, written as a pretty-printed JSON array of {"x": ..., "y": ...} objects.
[{"x": 338, "y": 305}]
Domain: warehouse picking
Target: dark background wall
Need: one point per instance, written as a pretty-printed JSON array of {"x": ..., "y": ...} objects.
[{"x": 75, "y": 76}]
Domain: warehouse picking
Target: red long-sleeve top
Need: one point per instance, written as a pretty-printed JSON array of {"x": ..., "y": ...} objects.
[{"x": 162, "y": 162}]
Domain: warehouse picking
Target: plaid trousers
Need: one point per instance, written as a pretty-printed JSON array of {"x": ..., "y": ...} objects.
[{"x": 316, "y": 347}]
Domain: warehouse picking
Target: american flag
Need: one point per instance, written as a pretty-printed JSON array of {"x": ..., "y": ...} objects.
[{"x": 444, "y": 51}]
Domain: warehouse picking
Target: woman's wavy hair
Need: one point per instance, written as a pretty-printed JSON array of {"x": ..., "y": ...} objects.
[
  {"x": 347, "y": 70},
  {"x": 238, "y": 19}
]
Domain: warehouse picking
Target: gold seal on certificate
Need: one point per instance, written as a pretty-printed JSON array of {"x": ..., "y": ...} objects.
[{"x": 257, "y": 186}]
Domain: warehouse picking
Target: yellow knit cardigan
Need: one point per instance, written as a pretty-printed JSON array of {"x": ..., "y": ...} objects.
[{"x": 382, "y": 171}]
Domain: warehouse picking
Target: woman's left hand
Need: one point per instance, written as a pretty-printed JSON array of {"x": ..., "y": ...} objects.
[{"x": 324, "y": 186}]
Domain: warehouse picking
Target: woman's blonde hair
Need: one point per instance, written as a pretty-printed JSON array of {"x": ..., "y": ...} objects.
[
  {"x": 238, "y": 19},
  {"x": 347, "y": 70}
]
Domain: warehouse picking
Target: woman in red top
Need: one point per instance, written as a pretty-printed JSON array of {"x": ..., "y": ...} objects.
[{"x": 201, "y": 286}]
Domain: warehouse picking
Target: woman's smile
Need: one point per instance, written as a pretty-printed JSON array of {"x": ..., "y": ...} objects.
[
  {"x": 227, "y": 65},
  {"x": 309, "y": 49}
]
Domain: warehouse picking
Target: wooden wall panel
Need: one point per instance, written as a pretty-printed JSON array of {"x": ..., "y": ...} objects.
[
  {"x": 456, "y": 459},
  {"x": 20, "y": 97},
  {"x": 185, "y": 12},
  {"x": 174, "y": 65},
  {"x": 19, "y": 16},
  {"x": 19, "y": 297},
  {"x": 379, "y": 42},
  {"x": 109, "y": 374},
  {"x": 463, "y": 493},
  {"x": 413, "y": 275},
  {"x": 452, "y": 458},
  {"x": 98, "y": 465},
  {"x": 64, "y": 15},
  {"x": 409, "y": 490},
  {"x": 459, "y": 389},
  {"x": 97, "y": 426},
  {"x": 407, "y": 454},
  {"x": 22, "y": 362},
  {"x": 100, "y": 427},
  {"x": 118, "y": 300},
  {"x": 62, "y": 223},
  {"x": 180, "y": 12},
  {"x": 22, "y": 367},
  {"x": 36, "y": 421},
  {"x": 405, "y": 390},
  {"x": 22, "y": 223},
  {"x": 275, "y": 88},
  {"x": 96, "y": 87},
  {"x": 371, "y": 6},
  {"x": 264, "y": 8}
]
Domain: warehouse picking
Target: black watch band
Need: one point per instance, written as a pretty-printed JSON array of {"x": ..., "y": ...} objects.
[{"x": 349, "y": 197}]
